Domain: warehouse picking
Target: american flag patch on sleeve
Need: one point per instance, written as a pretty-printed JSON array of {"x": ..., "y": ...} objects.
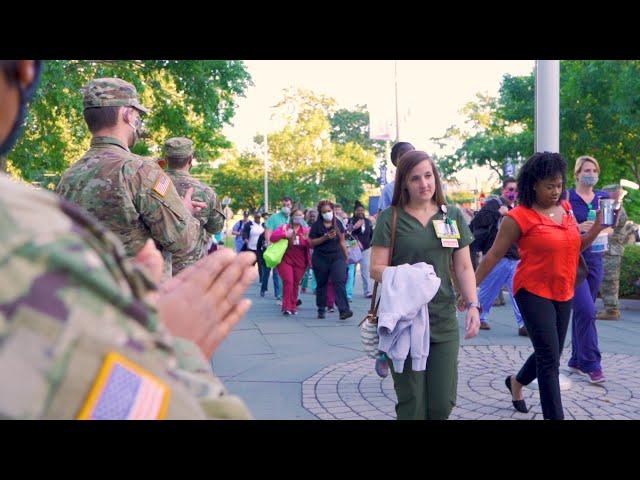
[
  {"x": 162, "y": 185},
  {"x": 125, "y": 391}
]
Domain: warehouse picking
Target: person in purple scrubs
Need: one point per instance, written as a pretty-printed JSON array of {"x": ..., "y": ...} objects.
[{"x": 585, "y": 354}]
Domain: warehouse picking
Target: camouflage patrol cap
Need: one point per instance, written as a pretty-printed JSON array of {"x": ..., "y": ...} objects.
[
  {"x": 111, "y": 92},
  {"x": 178, "y": 147}
]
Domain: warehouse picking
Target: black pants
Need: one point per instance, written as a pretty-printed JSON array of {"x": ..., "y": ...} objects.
[
  {"x": 547, "y": 322},
  {"x": 263, "y": 270},
  {"x": 332, "y": 267}
]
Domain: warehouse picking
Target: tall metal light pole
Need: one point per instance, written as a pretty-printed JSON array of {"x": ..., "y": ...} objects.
[
  {"x": 266, "y": 173},
  {"x": 547, "y": 128},
  {"x": 547, "y": 121},
  {"x": 395, "y": 76}
]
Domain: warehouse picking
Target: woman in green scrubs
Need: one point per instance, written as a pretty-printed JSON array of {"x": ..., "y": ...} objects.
[{"x": 424, "y": 222}]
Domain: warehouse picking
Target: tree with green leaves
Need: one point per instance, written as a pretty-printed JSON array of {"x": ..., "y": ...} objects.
[
  {"x": 187, "y": 98},
  {"x": 305, "y": 162},
  {"x": 599, "y": 116},
  {"x": 309, "y": 162},
  {"x": 487, "y": 137},
  {"x": 352, "y": 126},
  {"x": 239, "y": 178}
]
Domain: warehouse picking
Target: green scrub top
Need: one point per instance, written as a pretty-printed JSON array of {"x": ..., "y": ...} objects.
[{"x": 415, "y": 244}]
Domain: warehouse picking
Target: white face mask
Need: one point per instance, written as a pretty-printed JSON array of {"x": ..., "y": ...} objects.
[
  {"x": 298, "y": 220},
  {"x": 328, "y": 216},
  {"x": 286, "y": 210}
]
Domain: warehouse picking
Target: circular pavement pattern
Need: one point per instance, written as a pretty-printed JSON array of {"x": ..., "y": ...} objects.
[{"x": 353, "y": 391}]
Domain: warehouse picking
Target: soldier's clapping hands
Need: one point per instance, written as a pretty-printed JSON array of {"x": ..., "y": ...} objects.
[{"x": 204, "y": 302}]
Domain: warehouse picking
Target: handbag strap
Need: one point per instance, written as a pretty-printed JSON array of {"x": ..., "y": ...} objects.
[{"x": 373, "y": 310}]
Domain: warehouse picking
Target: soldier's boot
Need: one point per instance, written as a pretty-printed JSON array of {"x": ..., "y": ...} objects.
[{"x": 608, "y": 314}]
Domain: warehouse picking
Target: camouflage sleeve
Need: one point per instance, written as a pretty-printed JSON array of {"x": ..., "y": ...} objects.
[
  {"x": 162, "y": 210},
  {"x": 215, "y": 218},
  {"x": 622, "y": 219},
  {"x": 194, "y": 371},
  {"x": 74, "y": 299}
]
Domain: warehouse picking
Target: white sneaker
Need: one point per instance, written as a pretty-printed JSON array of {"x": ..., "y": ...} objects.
[{"x": 578, "y": 371}]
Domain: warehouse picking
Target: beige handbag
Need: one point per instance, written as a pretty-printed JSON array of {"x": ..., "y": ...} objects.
[{"x": 369, "y": 325}]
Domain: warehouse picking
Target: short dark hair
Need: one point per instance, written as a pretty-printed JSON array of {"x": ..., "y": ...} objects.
[
  {"x": 539, "y": 166},
  {"x": 398, "y": 150},
  {"x": 178, "y": 162},
  {"x": 507, "y": 181},
  {"x": 287, "y": 199},
  {"x": 98, "y": 118}
]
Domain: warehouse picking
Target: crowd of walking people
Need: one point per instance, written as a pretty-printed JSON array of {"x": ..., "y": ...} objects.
[
  {"x": 324, "y": 248},
  {"x": 115, "y": 281}
]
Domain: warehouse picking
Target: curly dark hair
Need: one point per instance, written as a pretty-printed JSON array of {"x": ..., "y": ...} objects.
[{"x": 538, "y": 167}]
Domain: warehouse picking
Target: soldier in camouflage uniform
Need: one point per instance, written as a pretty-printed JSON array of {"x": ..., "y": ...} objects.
[
  {"x": 179, "y": 158},
  {"x": 83, "y": 333},
  {"x": 130, "y": 194},
  {"x": 612, "y": 260}
]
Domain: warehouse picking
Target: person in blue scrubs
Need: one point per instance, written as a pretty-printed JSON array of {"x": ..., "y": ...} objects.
[{"x": 585, "y": 354}]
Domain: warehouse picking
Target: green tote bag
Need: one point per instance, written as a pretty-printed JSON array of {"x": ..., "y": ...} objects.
[{"x": 274, "y": 253}]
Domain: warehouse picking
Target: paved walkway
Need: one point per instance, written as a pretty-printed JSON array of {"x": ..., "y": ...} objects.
[{"x": 304, "y": 368}]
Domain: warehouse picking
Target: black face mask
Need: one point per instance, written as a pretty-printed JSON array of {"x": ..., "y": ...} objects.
[{"x": 25, "y": 97}]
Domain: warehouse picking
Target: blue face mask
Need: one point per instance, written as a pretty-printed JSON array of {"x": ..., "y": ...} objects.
[
  {"x": 25, "y": 97},
  {"x": 589, "y": 180}
]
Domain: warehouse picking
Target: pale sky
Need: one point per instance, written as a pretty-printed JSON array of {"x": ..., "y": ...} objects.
[{"x": 430, "y": 92}]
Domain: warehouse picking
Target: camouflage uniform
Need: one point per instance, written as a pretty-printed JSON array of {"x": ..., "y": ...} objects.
[
  {"x": 612, "y": 259},
  {"x": 211, "y": 217},
  {"x": 130, "y": 194},
  {"x": 70, "y": 297}
]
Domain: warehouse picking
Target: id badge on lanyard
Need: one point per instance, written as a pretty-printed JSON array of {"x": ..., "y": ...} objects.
[{"x": 447, "y": 230}]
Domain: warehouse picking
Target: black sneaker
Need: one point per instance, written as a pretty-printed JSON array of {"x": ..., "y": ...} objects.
[
  {"x": 345, "y": 315},
  {"x": 299, "y": 302},
  {"x": 286, "y": 313},
  {"x": 321, "y": 314}
]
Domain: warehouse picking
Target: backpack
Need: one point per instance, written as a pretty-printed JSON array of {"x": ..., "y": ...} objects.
[{"x": 484, "y": 233}]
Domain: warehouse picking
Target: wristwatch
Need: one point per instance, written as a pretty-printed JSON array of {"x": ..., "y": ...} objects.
[{"x": 474, "y": 304}]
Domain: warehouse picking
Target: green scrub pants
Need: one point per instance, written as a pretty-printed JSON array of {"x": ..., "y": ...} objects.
[{"x": 431, "y": 394}]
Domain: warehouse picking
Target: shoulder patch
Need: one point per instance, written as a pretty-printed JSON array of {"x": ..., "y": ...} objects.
[
  {"x": 125, "y": 391},
  {"x": 162, "y": 185}
]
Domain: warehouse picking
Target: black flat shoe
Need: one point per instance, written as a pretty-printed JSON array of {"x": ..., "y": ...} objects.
[
  {"x": 345, "y": 315},
  {"x": 519, "y": 405}
]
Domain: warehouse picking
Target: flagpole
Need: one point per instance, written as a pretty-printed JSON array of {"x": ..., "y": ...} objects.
[{"x": 395, "y": 74}]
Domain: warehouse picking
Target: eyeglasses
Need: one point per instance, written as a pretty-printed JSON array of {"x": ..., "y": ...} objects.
[{"x": 511, "y": 189}]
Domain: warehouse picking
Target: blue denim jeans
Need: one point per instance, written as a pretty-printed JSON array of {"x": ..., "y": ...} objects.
[
  {"x": 501, "y": 275},
  {"x": 277, "y": 284},
  {"x": 351, "y": 280}
]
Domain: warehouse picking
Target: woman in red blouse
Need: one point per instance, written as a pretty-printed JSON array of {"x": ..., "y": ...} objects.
[{"x": 549, "y": 244}]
